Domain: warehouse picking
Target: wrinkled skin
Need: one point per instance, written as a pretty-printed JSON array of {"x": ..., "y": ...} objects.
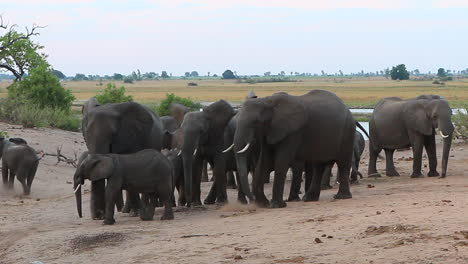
[
  {"x": 358, "y": 149},
  {"x": 20, "y": 160},
  {"x": 203, "y": 132},
  {"x": 397, "y": 123},
  {"x": 316, "y": 128},
  {"x": 121, "y": 128},
  {"x": 147, "y": 172}
]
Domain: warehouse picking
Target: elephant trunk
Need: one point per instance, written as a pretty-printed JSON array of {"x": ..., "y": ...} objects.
[
  {"x": 188, "y": 152},
  {"x": 242, "y": 170},
  {"x": 77, "y": 182},
  {"x": 445, "y": 154}
]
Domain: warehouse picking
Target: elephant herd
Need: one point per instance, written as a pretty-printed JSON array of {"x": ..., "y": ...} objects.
[{"x": 133, "y": 149}]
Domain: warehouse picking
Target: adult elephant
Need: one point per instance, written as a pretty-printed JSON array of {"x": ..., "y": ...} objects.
[
  {"x": 316, "y": 128},
  {"x": 397, "y": 123},
  {"x": 121, "y": 128},
  {"x": 203, "y": 140}
]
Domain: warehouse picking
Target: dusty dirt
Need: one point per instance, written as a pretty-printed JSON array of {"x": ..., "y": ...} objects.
[{"x": 389, "y": 220}]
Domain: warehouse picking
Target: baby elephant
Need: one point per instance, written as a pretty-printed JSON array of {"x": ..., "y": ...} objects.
[
  {"x": 18, "y": 159},
  {"x": 147, "y": 172}
]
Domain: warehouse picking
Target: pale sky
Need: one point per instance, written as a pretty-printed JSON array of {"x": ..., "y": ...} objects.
[{"x": 247, "y": 36}]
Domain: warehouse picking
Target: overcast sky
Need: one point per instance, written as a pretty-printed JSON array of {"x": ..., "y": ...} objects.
[{"x": 247, "y": 36}]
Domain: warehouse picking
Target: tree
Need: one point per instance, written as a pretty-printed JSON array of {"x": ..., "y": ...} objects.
[
  {"x": 18, "y": 54},
  {"x": 194, "y": 74},
  {"x": 117, "y": 76},
  {"x": 128, "y": 79},
  {"x": 228, "y": 74},
  {"x": 267, "y": 74},
  {"x": 113, "y": 94},
  {"x": 80, "y": 77},
  {"x": 41, "y": 88},
  {"x": 187, "y": 74},
  {"x": 417, "y": 72},
  {"x": 341, "y": 72},
  {"x": 134, "y": 76},
  {"x": 164, "y": 75},
  {"x": 58, "y": 74},
  {"x": 441, "y": 72},
  {"x": 399, "y": 72}
]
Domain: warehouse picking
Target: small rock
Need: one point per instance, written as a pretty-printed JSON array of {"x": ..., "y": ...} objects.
[
  {"x": 378, "y": 212},
  {"x": 444, "y": 249},
  {"x": 69, "y": 182},
  {"x": 392, "y": 211},
  {"x": 460, "y": 149},
  {"x": 415, "y": 203},
  {"x": 21, "y": 201},
  {"x": 237, "y": 257},
  {"x": 318, "y": 241},
  {"x": 370, "y": 186},
  {"x": 38, "y": 199},
  {"x": 329, "y": 236},
  {"x": 446, "y": 201},
  {"x": 324, "y": 235}
]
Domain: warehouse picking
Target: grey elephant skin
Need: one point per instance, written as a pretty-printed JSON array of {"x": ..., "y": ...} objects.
[
  {"x": 316, "y": 128},
  {"x": 20, "y": 160},
  {"x": 121, "y": 128},
  {"x": 171, "y": 123},
  {"x": 358, "y": 149},
  {"x": 203, "y": 140},
  {"x": 147, "y": 172},
  {"x": 397, "y": 123}
]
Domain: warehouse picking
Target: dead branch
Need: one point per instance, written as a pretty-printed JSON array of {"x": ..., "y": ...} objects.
[{"x": 62, "y": 158}]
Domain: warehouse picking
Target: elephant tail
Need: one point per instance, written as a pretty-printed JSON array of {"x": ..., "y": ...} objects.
[{"x": 362, "y": 129}]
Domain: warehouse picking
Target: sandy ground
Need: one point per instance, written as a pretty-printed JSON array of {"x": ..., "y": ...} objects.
[{"x": 389, "y": 220}]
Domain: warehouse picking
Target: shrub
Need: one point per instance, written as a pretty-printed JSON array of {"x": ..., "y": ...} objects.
[
  {"x": 113, "y": 94},
  {"x": 192, "y": 84},
  {"x": 163, "y": 108},
  {"x": 128, "y": 79},
  {"x": 228, "y": 74},
  {"x": 460, "y": 119},
  {"x": 399, "y": 72},
  {"x": 42, "y": 88},
  {"x": 30, "y": 115}
]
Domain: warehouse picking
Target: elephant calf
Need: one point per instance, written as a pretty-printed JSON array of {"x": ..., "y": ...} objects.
[
  {"x": 18, "y": 159},
  {"x": 147, "y": 172}
]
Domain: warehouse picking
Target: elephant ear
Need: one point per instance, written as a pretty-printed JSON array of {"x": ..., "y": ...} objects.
[
  {"x": 418, "y": 119},
  {"x": 135, "y": 123},
  {"x": 101, "y": 168},
  {"x": 287, "y": 117}
]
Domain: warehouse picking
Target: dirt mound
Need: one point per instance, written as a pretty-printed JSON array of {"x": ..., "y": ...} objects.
[{"x": 86, "y": 242}]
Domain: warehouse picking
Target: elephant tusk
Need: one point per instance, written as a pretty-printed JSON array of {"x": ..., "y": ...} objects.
[
  {"x": 228, "y": 149},
  {"x": 442, "y": 134},
  {"x": 77, "y": 188},
  {"x": 195, "y": 152},
  {"x": 244, "y": 149},
  {"x": 180, "y": 152}
]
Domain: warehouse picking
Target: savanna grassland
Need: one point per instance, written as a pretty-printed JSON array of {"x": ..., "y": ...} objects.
[{"x": 356, "y": 92}]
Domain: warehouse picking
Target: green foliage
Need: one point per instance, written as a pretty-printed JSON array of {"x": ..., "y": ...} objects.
[
  {"x": 117, "y": 76},
  {"x": 20, "y": 56},
  {"x": 3, "y": 134},
  {"x": 447, "y": 78},
  {"x": 30, "y": 115},
  {"x": 113, "y": 94},
  {"x": 399, "y": 72},
  {"x": 441, "y": 72},
  {"x": 58, "y": 74},
  {"x": 164, "y": 75},
  {"x": 80, "y": 77},
  {"x": 163, "y": 108},
  {"x": 460, "y": 119},
  {"x": 228, "y": 74},
  {"x": 41, "y": 88},
  {"x": 128, "y": 79},
  {"x": 194, "y": 74},
  {"x": 265, "y": 80}
]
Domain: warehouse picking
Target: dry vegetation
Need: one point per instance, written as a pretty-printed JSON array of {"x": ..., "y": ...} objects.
[{"x": 355, "y": 92}]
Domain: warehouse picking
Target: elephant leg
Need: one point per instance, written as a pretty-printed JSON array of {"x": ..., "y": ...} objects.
[
  {"x": 219, "y": 172},
  {"x": 313, "y": 192},
  {"x": 417, "y": 145},
  {"x": 231, "y": 181},
  {"x": 373, "y": 154},
  {"x": 327, "y": 175},
  {"x": 204, "y": 177},
  {"x": 164, "y": 194},
  {"x": 135, "y": 203},
  {"x": 258, "y": 182},
  {"x": 22, "y": 179},
  {"x": 281, "y": 169},
  {"x": 11, "y": 180},
  {"x": 390, "y": 166},
  {"x": 297, "y": 169},
  {"x": 111, "y": 195},
  {"x": 98, "y": 199},
  {"x": 5, "y": 174},
  {"x": 119, "y": 203},
  {"x": 344, "y": 191},
  {"x": 147, "y": 209},
  {"x": 196, "y": 187},
  {"x": 430, "y": 145}
]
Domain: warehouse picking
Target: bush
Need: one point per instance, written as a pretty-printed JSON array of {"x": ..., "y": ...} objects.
[
  {"x": 30, "y": 115},
  {"x": 228, "y": 74},
  {"x": 42, "y": 88},
  {"x": 112, "y": 94},
  {"x": 460, "y": 119},
  {"x": 265, "y": 80},
  {"x": 399, "y": 72},
  {"x": 128, "y": 79},
  {"x": 445, "y": 79},
  {"x": 192, "y": 84},
  {"x": 163, "y": 108}
]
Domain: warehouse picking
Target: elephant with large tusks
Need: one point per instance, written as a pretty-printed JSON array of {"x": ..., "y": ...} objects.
[
  {"x": 316, "y": 128},
  {"x": 397, "y": 123},
  {"x": 121, "y": 128}
]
